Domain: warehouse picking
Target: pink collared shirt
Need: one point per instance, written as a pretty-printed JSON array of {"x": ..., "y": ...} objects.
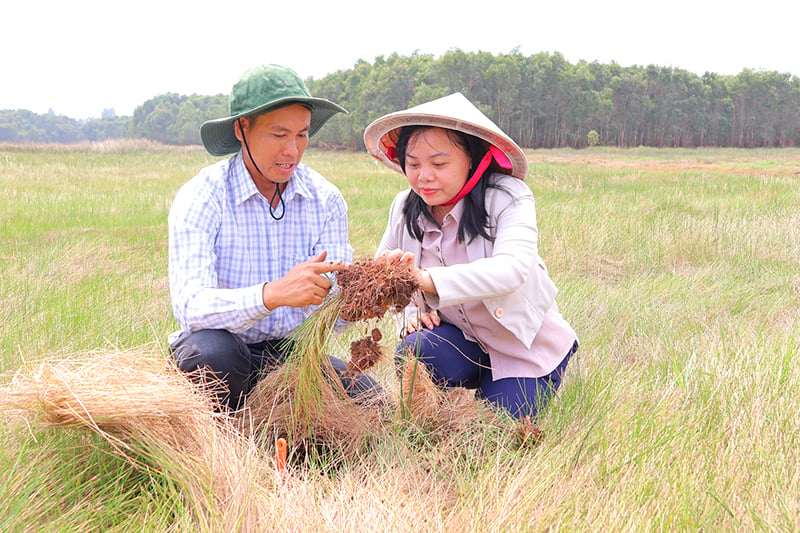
[{"x": 522, "y": 330}]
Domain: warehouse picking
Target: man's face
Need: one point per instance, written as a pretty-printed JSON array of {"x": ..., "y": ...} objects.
[{"x": 277, "y": 140}]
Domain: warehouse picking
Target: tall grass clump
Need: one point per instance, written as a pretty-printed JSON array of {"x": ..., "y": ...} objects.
[
  {"x": 305, "y": 399},
  {"x": 677, "y": 268}
]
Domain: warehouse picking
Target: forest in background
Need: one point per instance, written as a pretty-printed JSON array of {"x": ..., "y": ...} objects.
[{"x": 542, "y": 101}]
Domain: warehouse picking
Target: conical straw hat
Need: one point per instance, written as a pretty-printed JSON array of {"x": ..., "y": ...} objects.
[{"x": 454, "y": 112}]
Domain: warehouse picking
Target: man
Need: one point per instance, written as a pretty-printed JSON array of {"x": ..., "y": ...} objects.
[{"x": 255, "y": 239}]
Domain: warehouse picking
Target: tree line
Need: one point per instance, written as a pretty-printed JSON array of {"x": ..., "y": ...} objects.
[
  {"x": 542, "y": 101},
  {"x": 168, "y": 118}
]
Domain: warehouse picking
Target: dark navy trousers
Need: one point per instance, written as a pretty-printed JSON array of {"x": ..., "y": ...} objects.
[
  {"x": 235, "y": 366},
  {"x": 453, "y": 361}
]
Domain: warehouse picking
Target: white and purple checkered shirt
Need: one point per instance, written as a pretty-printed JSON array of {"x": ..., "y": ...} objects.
[{"x": 224, "y": 244}]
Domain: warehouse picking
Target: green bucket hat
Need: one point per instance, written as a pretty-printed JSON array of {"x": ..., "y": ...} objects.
[{"x": 261, "y": 89}]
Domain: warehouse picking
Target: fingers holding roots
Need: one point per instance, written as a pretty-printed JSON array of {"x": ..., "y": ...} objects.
[{"x": 370, "y": 288}]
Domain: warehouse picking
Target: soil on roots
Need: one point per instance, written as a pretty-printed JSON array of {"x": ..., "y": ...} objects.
[
  {"x": 370, "y": 288},
  {"x": 364, "y": 353}
]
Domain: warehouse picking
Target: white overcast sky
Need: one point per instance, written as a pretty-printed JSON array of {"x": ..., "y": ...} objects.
[{"x": 80, "y": 57}]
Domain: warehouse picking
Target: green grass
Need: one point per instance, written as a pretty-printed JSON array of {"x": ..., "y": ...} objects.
[{"x": 678, "y": 268}]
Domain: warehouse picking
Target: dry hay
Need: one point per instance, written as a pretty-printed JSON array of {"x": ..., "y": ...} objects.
[
  {"x": 118, "y": 394},
  {"x": 152, "y": 415},
  {"x": 333, "y": 420},
  {"x": 305, "y": 398},
  {"x": 438, "y": 409},
  {"x": 420, "y": 396},
  {"x": 444, "y": 412}
]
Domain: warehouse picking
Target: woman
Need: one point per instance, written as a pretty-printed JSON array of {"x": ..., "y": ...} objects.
[{"x": 486, "y": 317}]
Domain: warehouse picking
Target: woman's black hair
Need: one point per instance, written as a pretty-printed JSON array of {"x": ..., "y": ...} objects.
[{"x": 475, "y": 220}]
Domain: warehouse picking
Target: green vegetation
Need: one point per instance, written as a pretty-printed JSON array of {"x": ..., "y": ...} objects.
[
  {"x": 542, "y": 101},
  {"x": 677, "y": 267}
]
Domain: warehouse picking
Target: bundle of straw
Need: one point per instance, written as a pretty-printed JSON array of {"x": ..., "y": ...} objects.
[
  {"x": 153, "y": 416},
  {"x": 440, "y": 411},
  {"x": 114, "y": 394}
]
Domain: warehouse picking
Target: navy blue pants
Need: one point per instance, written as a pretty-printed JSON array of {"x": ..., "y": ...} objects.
[
  {"x": 236, "y": 366},
  {"x": 453, "y": 361}
]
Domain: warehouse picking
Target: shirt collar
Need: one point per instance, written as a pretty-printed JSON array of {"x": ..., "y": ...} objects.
[
  {"x": 455, "y": 214},
  {"x": 245, "y": 188},
  {"x": 299, "y": 184},
  {"x": 243, "y": 185}
]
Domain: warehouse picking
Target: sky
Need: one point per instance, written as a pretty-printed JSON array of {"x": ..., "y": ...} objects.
[{"x": 81, "y": 57}]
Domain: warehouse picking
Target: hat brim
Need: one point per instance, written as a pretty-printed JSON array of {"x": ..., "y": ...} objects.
[
  {"x": 219, "y": 137},
  {"x": 453, "y": 112}
]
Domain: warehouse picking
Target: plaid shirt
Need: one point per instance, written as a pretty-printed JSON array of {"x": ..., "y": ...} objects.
[{"x": 224, "y": 245}]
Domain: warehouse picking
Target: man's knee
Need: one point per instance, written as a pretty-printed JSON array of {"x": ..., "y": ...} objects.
[
  {"x": 217, "y": 359},
  {"x": 216, "y": 349}
]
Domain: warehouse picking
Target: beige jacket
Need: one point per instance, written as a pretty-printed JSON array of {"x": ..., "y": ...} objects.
[{"x": 507, "y": 275}]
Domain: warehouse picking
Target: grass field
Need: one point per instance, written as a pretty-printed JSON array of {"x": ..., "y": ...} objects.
[{"x": 679, "y": 269}]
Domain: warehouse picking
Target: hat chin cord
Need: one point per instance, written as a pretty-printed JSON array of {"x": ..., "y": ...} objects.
[
  {"x": 277, "y": 192},
  {"x": 493, "y": 153}
]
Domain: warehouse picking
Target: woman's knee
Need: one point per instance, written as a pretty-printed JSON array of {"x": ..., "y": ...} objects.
[{"x": 451, "y": 359}]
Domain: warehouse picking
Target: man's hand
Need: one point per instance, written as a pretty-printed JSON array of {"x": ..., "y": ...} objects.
[{"x": 305, "y": 284}]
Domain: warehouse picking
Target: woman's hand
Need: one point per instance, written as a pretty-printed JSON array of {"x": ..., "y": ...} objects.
[
  {"x": 423, "y": 320},
  {"x": 423, "y": 278},
  {"x": 397, "y": 256}
]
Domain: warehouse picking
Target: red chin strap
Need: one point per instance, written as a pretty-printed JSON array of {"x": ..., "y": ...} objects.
[{"x": 493, "y": 153}]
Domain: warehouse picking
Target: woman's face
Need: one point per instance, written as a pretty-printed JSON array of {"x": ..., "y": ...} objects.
[{"x": 436, "y": 166}]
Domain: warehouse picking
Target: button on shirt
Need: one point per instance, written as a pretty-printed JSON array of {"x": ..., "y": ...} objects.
[{"x": 224, "y": 245}]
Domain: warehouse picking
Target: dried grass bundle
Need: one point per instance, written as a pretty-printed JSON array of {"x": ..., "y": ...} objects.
[
  {"x": 153, "y": 416},
  {"x": 117, "y": 394},
  {"x": 338, "y": 423},
  {"x": 420, "y": 397},
  {"x": 309, "y": 376},
  {"x": 305, "y": 398},
  {"x": 440, "y": 411}
]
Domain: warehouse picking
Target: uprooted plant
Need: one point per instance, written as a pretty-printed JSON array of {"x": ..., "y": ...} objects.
[{"x": 305, "y": 397}]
